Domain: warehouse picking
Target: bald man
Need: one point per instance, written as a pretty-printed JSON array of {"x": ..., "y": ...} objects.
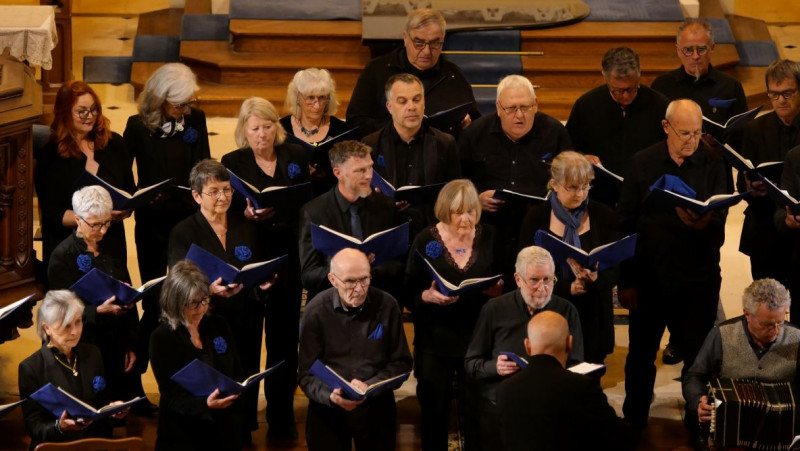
[
  {"x": 356, "y": 330},
  {"x": 551, "y": 407},
  {"x": 674, "y": 278}
]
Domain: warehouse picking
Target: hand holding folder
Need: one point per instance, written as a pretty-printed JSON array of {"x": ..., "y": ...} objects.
[
  {"x": 451, "y": 289},
  {"x": 121, "y": 199},
  {"x": 414, "y": 195},
  {"x": 96, "y": 287},
  {"x": 385, "y": 245},
  {"x": 605, "y": 256},
  {"x": 722, "y": 132},
  {"x": 333, "y": 380},
  {"x": 580, "y": 368},
  {"x": 57, "y": 400},
  {"x": 452, "y": 117},
  {"x": 249, "y": 276},
  {"x": 769, "y": 169},
  {"x": 292, "y": 196},
  {"x": 201, "y": 380}
]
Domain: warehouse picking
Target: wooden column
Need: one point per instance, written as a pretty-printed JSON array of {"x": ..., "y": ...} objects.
[
  {"x": 20, "y": 107},
  {"x": 62, "y": 57}
]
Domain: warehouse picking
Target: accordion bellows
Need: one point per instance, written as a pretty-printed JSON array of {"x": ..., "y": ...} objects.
[{"x": 757, "y": 415}]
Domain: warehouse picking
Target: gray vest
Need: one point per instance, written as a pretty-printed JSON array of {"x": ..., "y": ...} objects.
[{"x": 740, "y": 361}]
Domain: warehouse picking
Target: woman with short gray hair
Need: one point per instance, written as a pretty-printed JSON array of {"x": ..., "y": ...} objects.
[
  {"x": 188, "y": 332},
  {"x": 109, "y": 325},
  {"x": 67, "y": 363},
  {"x": 572, "y": 217}
]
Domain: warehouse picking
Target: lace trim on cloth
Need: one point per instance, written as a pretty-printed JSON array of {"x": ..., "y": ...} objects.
[
  {"x": 29, "y": 32},
  {"x": 449, "y": 258}
]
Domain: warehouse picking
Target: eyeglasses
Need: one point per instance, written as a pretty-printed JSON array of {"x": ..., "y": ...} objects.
[
  {"x": 184, "y": 105},
  {"x": 577, "y": 189},
  {"x": 621, "y": 91},
  {"x": 96, "y": 227},
  {"x": 351, "y": 283},
  {"x": 684, "y": 135},
  {"x": 689, "y": 51},
  {"x": 788, "y": 94},
  {"x": 534, "y": 282},
  {"x": 198, "y": 302},
  {"x": 770, "y": 324},
  {"x": 310, "y": 100},
  {"x": 420, "y": 44},
  {"x": 84, "y": 114},
  {"x": 227, "y": 192},
  {"x": 513, "y": 109}
]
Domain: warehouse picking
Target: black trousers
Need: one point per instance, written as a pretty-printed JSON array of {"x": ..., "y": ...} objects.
[
  {"x": 690, "y": 307},
  {"x": 372, "y": 426}
]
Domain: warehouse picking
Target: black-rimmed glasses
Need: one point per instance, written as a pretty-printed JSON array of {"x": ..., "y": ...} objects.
[
  {"x": 420, "y": 44},
  {"x": 84, "y": 114},
  {"x": 685, "y": 135},
  {"x": 351, "y": 283},
  {"x": 198, "y": 302},
  {"x": 534, "y": 282},
  {"x": 98, "y": 226},
  {"x": 184, "y": 105},
  {"x": 689, "y": 50},
  {"x": 513, "y": 109},
  {"x": 788, "y": 94}
]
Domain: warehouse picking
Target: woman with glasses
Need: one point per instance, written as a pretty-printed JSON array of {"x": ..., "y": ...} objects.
[
  {"x": 81, "y": 141},
  {"x": 167, "y": 137},
  {"x": 234, "y": 240},
  {"x": 311, "y": 103},
  {"x": 265, "y": 159},
  {"x": 187, "y": 332},
  {"x": 571, "y": 216},
  {"x": 459, "y": 248},
  {"x": 109, "y": 326}
]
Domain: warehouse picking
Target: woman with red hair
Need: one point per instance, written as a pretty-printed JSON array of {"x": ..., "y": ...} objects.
[{"x": 81, "y": 140}]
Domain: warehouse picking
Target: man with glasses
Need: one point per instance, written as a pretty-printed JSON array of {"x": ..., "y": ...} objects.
[
  {"x": 769, "y": 138},
  {"x": 674, "y": 277},
  {"x": 757, "y": 345},
  {"x": 357, "y": 331},
  {"x": 421, "y": 55},
  {"x": 611, "y": 122},
  {"x": 353, "y": 208},
  {"x": 502, "y": 327},
  {"x": 408, "y": 151},
  {"x": 509, "y": 150}
]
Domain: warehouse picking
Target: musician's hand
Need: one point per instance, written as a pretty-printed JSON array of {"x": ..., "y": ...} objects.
[
  {"x": 505, "y": 365},
  {"x": 433, "y": 296},
  {"x": 704, "y": 409},
  {"x": 346, "y": 404},
  {"x": 594, "y": 159},
  {"x": 219, "y": 289},
  {"x": 108, "y": 307},
  {"x": 756, "y": 187},
  {"x": 216, "y": 401},
  {"x": 792, "y": 221},
  {"x": 261, "y": 214},
  {"x": 489, "y": 203},
  {"x": 693, "y": 219}
]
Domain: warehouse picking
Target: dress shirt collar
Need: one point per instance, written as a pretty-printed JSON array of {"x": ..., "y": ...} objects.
[
  {"x": 760, "y": 351},
  {"x": 696, "y": 158},
  {"x": 708, "y": 77},
  {"x": 497, "y": 127},
  {"x": 340, "y": 308},
  {"x": 344, "y": 204},
  {"x": 396, "y": 140},
  {"x": 523, "y": 307}
]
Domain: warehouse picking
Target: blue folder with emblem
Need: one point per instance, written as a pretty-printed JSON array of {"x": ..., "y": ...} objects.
[
  {"x": 721, "y": 132},
  {"x": 414, "y": 195},
  {"x": 249, "y": 276},
  {"x": 95, "y": 287},
  {"x": 604, "y": 256},
  {"x": 201, "y": 380},
  {"x": 450, "y": 289},
  {"x": 333, "y": 380},
  {"x": 56, "y": 400},
  {"x": 386, "y": 244},
  {"x": 123, "y": 200},
  {"x": 291, "y": 196}
]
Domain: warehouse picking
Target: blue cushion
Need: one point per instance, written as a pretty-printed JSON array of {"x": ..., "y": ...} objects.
[
  {"x": 756, "y": 53},
  {"x": 635, "y": 10},
  {"x": 303, "y": 10},
  {"x": 722, "y": 30},
  {"x": 497, "y": 40},
  {"x": 156, "y": 48},
  {"x": 486, "y": 99},
  {"x": 204, "y": 27},
  {"x": 107, "y": 69},
  {"x": 487, "y": 69}
]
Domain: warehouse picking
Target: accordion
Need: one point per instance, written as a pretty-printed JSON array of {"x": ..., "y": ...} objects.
[{"x": 752, "y": 414}]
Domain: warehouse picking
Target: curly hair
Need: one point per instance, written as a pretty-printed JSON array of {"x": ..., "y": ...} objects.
[{"x": 62, "y": 129}]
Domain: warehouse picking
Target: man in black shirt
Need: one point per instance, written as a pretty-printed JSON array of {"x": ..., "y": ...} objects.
[
  {"x": 674, "y": 278},
  {"x": 352, "y": 208},
  {"x": 769, "y": 138},
  {"x": 421, "y": 55},
  {"x": 501, "y": 327},
  {"x": 613, "y": 121},
  {"x": 409, "y": 152},
  {"x": 508, "y": 150},
  {"x": 357, "y": 331}
]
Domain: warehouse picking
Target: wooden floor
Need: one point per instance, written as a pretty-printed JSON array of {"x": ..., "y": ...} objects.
[{"x": 106, "y": 28}]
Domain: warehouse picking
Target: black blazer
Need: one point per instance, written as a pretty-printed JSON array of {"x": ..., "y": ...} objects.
[
  {"x": 184, "y": 421},
  {"x": 558, "y": 410},
  {"x": 377, "y": 213},
  {"x": 40, "y": 368}
]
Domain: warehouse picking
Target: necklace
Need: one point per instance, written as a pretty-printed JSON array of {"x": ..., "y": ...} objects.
[
  {"x": 73, "y": 368},
  {"x": 308, "y": 132},
  {"x": 461, "y": 250}
]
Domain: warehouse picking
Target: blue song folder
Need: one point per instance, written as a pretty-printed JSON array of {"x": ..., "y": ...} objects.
[
  {"x": 123, "y": 200},
  {"x": 450, "y": 289},
  {"x": 57, "y": 400},
  {"x": 782, "y": 197},
  {"x": 386, "y": 244},
  {"x": 580, "y": 368},
  {"x": 249, "y": 276},
  {"x": 96, "y": 286},
  {"x": 11, "y": 308},
  {"x": 769, "y": 169},
  {"x": 446, "y": 119},
  {"x": 515, "y": 197},
  {"x": 201, "y": 379},
  {"x": 333, "y": 380},
  {"x": 292, "y": 196},
  {"x": 317, "y": 151},
  {"x": 664, "y": 198},
  {"x": 722, "y": 132},
  {"x": 414, "y": 195},
  {"x": 521, "y": 362},
  {"x": 606, "y": 255}
]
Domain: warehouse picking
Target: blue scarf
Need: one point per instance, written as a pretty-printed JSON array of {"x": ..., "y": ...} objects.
[{"x": 572, "y": 221}]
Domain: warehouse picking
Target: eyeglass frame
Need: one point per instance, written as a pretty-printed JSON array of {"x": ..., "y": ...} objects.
[
  {"x": 182, "y": 106},
  {"x": 351, "y": 284},
  {"x": 524, "y": 109},
  {"x": 787, "y": 94},
  {"x": 85, "y": 113},
  {"x": 687, "y": 136},
  {"x": 315, "y": 99},
  {"x": 576, "y": 189},
  {"x": 540, "y": 282},
  {"x": 420, "y": 44},
  {"x": 194, "y": 305},
  {"x": 96, "y": 227},
  {"x": 701, "y": 50},
  {"x": 227, "y": 192},
  {"x": 621, "y": 91}
]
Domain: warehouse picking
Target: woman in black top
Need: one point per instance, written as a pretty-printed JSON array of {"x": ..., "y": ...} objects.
[
  {"x": 570, "y": 215},
  {"x": 81, "y": 140},
  {"x": 188, "y": 332},
  {"x": 72, "y": 366},
  {"x": 233, "y": 239},
  {"x": 311, "y": 100},
  {"x": 459, "y": 248},
  {"x": 109, "y": 326},
  {"x": 167, "y": 138},
  {"x": 265, "y": 159}
]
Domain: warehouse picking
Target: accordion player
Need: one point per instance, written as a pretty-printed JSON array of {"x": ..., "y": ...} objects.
[{"x": 753, "y": 414}]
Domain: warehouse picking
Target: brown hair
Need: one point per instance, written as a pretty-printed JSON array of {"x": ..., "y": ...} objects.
[{"x": 62, "y": 129}]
